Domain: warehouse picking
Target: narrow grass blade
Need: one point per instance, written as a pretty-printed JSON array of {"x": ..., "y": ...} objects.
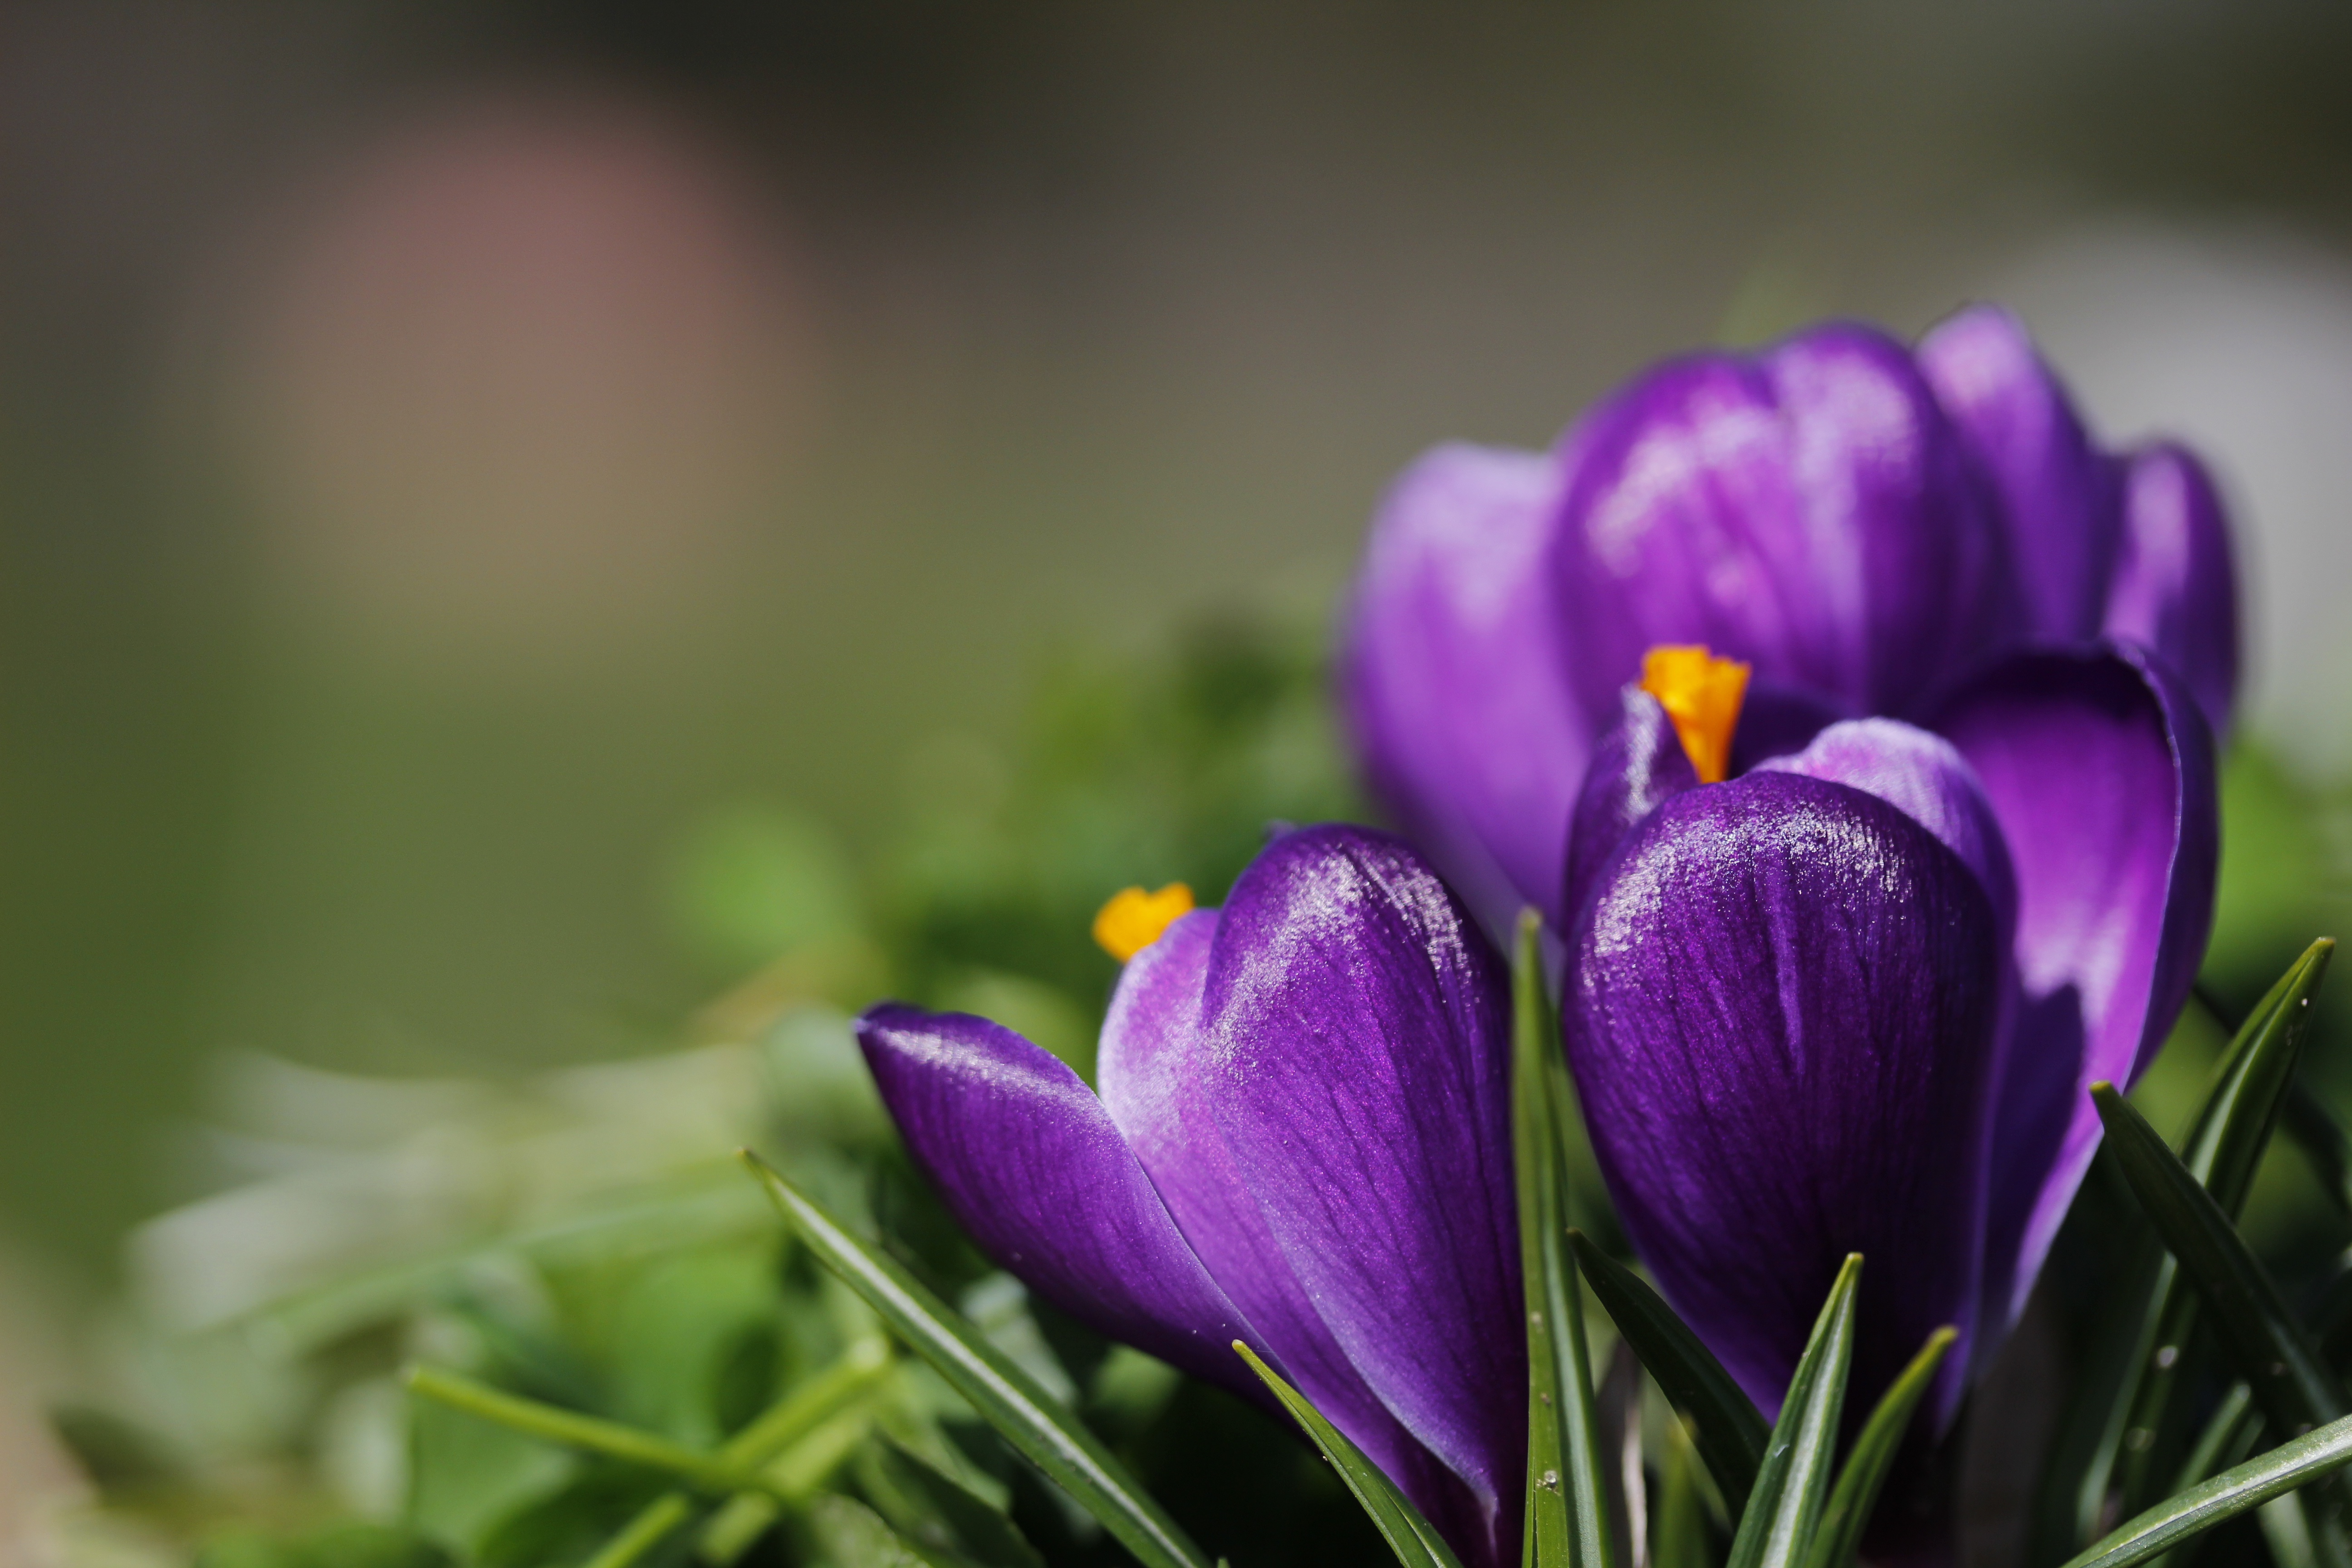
[
  {"x": 1784, "y": 1511},
  {"x": 1008, "y": 1398},
  {"x": 1856, "y": 1492},
  {"x": 1415, "y": 1543},
  {"x": 2229, "y": 1432},
  {"x": 2224, "y": 1148},
  {"x": 1567, "y": 1513},
  {"x": 2227, "y": 1495},
  {"x": 2293, "y": 1386},
  {"x": 982, "y": 1533},
  {"x": 1681, "y": 1537},
  {"x": 1725, "y": 1423},
  {"x": 783, "y": 1423},
  {"x": 592, "y": 1433}
]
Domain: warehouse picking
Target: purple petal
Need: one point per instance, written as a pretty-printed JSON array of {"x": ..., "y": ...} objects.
[
  {"x": 1030, "y": 1165},
  {"x": 2058, "y": 493},
  {"x": 1782, "y": 1010},
  {"x": 1454, "y": 691},
  {"x": 1359, "y": 1069},
  {"x": 1776, "y": 719},
  {"x": 1154, "y": 1066},
  {"x": 2100, "y": 768},
  {"x": 2175, "y": 590},
  {"x": 1810, "y": 511},
  {"x": 1636, "y": 767},
  {"x": 1922, "y": 776}
]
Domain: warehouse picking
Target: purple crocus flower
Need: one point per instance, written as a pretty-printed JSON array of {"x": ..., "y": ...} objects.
[
  {"x": 1864, "y": 524},
  {"x": 1960, "y": 864},
  {"x": 1302, "y": 1142}
]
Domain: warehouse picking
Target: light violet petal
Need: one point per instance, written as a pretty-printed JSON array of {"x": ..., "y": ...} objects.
[
  {"x": 2100, "y": 768},
  {"x": 1810, "y": 510},
  {"x": 1154, "y": 1066},
  {"x": 1029, "y": 1162},
  {"x": 2059, "y": 500},
  {"x": 2176, "y": 590},
  {"x": 1360, "y": 1070},
  {"x": 1460, "y": 710}
]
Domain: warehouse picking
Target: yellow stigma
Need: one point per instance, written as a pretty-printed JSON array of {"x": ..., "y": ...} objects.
[
  {"x": 1134, "y": 918},
  {"x": 1701, "y": 693}
]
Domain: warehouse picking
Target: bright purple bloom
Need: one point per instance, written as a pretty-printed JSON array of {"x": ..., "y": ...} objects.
[
  {"x": 1867, "y": 525},
  {"x": 1303, "y": 1141},
  {"x": 1849, "y": 999}
]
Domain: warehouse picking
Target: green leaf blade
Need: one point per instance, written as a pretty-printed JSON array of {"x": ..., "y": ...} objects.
[
  {"x": 1567, "y": 1507},
  {"x": 1007, "y": 1397},
  {"x": 1414, "y": 1540},
  {"x": 2233, "y": 1491},
  {"x": 1728, "y": 1429},
  {"x": 2291, "y": 1384},
  {"x": 1856, "y": 1492},
  {"x": 1784, "y": 1511},
  {"x": 2253, "y": 1085}
]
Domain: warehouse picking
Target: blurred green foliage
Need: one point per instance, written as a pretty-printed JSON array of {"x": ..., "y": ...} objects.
[{"x": 584, "y": 1238}]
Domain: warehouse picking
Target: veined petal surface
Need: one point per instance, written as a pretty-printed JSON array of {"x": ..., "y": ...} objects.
[
  {"x": 1925, "y": 777},
  {"x": 1359, "y": 1069},
  {"x": 1154, "y": 1069},
  {"x": 2058, "y": 493},
  {"x": 1637, "y": 766},
  {"x": 1781, "y": 1008},
  {"x": 2100, "y": 768},
  {"x": 1029, "y": 1162},
  {"x": 1461, "y": 712},
  {"x": 1810, "y": 511},
  {"x": 2175, "y": 590}
]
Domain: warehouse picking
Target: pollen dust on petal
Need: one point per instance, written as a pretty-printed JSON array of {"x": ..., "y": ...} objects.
[
  {"x": 1133, "y": 919},
  {"x": 1702, "y": 694}
]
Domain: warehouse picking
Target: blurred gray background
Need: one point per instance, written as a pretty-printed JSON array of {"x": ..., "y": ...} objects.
[{"x": 447, "y": 451}]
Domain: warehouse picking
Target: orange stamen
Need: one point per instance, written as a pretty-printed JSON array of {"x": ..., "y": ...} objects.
[
  {"x": 1702, "y": 694},
  {"x": 1133, "y": 920}
]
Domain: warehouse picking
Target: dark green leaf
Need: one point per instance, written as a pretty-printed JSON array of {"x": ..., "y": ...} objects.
[
  {"x": 1856, "y": 1492},
  {"x": 1408, "y": 1535},
  {"x": 1680, "y": 1532},
  {"x": 1567, "y": 1512},
  {"x": 2295, "y": 1388},
  {"x": 2227, "y": 1495},
  {"x": 2222, "y": 1150},
  {"x": 978, "y": 1531},
  {"x": 1784, "y": 1511},
  {"x": 1729, "y": 1431},
  {"x": 1005, "y": 1396}
]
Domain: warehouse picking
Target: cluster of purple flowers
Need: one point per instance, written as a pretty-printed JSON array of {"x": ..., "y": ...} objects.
[{"x": 1848, "y": 715}]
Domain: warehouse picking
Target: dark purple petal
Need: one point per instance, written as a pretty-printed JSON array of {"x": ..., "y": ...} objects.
[
  {"x": 2058, "y": 493},
  {"x": 1810, "y": 511},
  {"x": 1030, "y": 1165},
  {"x": 1778, "y": 719},
  {"x": 1781, "y": 1008},
  {"x": 1636, "y": 767},
  {"x": 1154, "y": 1067},
  {"x": 1359, "y": 1069},
  {"x": 1921, "y": 776},
  {"x": 1454, "y": 690},
  {"x": 2175, "y": 590},
  {"x": 2100, "y": 768}
]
